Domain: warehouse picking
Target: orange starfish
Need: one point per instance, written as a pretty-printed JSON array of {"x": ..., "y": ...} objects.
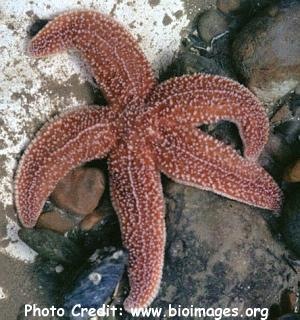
[{"x": 147, "y": 128}]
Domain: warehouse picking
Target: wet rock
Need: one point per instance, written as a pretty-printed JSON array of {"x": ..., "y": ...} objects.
[
  {"x": 91, "y": 220},
  {"x": 211, "y": 24},
  {"x": 288, "y": 301},
  {"x": 55, "y": 221},
  {"x": 267, "y": 50},
  {"x": 37, "y": 26},
  {"x": 190, "y": 63},
  {"x": 294, "y": 103},
  {"x": 53, "y": 246},
  {"x": 80, "y": 191},
  {"x": 228, "y": 255},
  {"x": 95, "y": 286},
  {"x": 283, "y": 114},
  {"x": 291, "y": 218},
  {"x": 282, "y": 149},
  {"x": 292, "y": 173},
  {"x": 242, "y": 7},
  {"x": 290, "y": 316},
  {"x": 105, "y": 233},
  {"x": 228, "y": 133},
  {"x": 227, "y": 6}
]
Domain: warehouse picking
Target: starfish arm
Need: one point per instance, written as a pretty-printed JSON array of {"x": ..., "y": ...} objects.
[
  {"x": 194, "y": 158},
  {"x": 206, "y": 99},
  {"x": 137, "y": 197},
  {"x": 76, "y": 137},
  {"x": 116, "y": 61}
]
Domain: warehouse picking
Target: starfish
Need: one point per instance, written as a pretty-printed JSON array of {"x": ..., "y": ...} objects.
[{"x": 145, "y": 129}]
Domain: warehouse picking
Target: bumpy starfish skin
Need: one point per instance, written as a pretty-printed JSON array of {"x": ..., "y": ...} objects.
[{"x": 146, "y": 128}]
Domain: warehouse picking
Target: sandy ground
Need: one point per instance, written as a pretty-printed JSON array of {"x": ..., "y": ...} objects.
[{"x": 32, "y": 91}]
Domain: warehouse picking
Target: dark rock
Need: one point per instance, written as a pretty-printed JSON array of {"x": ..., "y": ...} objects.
[
  {"x": 37, "y": 26},
  {"x": 211, "y": 24},
  {"x": 291, "y": 218},
  {"x": 290, "y": 316},
  {"x": 105, "y": 233},
  {"x": 97, "y": 283},
  {"x": 190, "y": 63},
  {"x": 282, "y": 149},
  {"x": 267, "y": 51},
  {"x": 294, "y": 103},
  {"x": 51, "y": 245},
  {"x": 220, "y": 253},
  {"x": 288, "y": 301},
  {"x": 80, "y": 190},
  {"x": 229, "y": 134},
  {"x": 245, "y": 8}
]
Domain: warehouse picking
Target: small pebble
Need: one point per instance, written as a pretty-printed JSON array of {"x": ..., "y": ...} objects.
[
  {"x": 80, "y": 191},
  {"x": 211, "y": 24}
]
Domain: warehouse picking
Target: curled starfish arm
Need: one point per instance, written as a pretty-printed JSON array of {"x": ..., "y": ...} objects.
[
  {"x": 194, "y": 158},
  {"x": 207, "y": 99},
  {"x": 137, "y": 197},
  {"x": 76, "y": 137},
  {"x": 117, "y": 63}
]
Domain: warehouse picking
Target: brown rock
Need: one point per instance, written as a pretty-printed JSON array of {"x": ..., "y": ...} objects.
[
  {"x": 54, "y": 221},
  {"x": 91, "y": 220},
  {"x": 292, "y": 173},
  {"x": 80, "y": 191},
  {"x": 267, "y": 50}
]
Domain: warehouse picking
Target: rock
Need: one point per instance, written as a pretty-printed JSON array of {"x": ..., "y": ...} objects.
[
  {"x": 91, "y": 220},
  {"x": 105, "y": 233},
  {"x": 288, "y": 301},
  {"x": 282, "y": 149},
  {"x": 267, "y": 50},
  {"x": 290, "y": 316},
  {"x": 242, "y": 7},
  {"x": 37, "y": 26},
  {"x": 281, "y": 115},
  {"x": 96, "y": 284},
  {"x": 227, "y": 6},
  {"x": 53, "y": 246},
  {"x": 228, "y": 133},
  {"x": 292, "y": 173},
  {"x": 225, "y": 254},
  {"x": 190, "y": 63},
  {"x": 211, "y": 24},
  {"x": 291, "y": 218},
  {"x": 80, "y": 191},
  {"x": 294, "y": 103},
  {"x": 55, "y": 221}
]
